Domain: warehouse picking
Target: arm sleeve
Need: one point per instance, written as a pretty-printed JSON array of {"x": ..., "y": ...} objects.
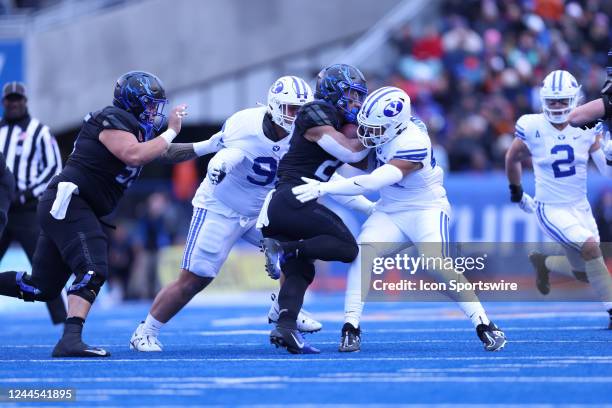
[
  {"x": 331, "y": 146},
  {"x": 212, "y": 145},
  {"x": 358, "y": 203},
  {"x": 599, "y": 159},
  {"x": 381, "y": 177}
]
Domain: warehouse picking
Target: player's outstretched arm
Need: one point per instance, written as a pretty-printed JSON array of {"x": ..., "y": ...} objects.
[
  {"x": 126, "y": 147},
  {"x": 601, "y": 154},
  {"x": 337, "y": 144},
  {"x": 383, "y": 176},
  {"x": 518, "y": 152},
  {"x": 180, "y": 152},
  {"x": 587, "y": 114}
]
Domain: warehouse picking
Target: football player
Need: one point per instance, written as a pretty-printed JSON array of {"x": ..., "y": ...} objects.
[
  {"x": 110, "y": 150},
  {"x": 412, "y": 210},
  {"x": 296, "y": 233},
  {"x": 560, "y": 154},
  {"x": 227, "y": 203}
]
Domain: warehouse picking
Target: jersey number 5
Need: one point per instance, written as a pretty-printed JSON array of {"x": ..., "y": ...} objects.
[
  {"x": 569, "y": 151},
  {"x": 266, "y": 168}
]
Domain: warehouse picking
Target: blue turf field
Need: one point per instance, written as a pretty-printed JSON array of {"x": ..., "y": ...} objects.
[{"x": 417, "y": 355}]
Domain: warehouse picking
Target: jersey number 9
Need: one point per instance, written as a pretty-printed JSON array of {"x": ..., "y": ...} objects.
[{"x": 266, "y": 168}]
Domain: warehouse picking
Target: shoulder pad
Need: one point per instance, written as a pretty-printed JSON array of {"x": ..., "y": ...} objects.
[
  {"x": 317, "y": 113},
  {"x": 112, "y": 117}
]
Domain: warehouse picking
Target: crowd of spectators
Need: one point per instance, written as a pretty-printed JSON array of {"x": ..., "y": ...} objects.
[{"x": 474, "y": 71}]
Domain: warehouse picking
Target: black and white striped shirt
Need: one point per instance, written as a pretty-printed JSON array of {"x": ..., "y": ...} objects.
[{"x": 31, "y": 153}]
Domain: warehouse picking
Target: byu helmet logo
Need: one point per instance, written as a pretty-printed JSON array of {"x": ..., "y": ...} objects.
[
  {"x": 278, "y": 87},
  {"x": 393, "y": 108}
]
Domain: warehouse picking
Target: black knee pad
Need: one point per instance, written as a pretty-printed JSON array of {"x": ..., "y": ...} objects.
[
  {"x": 27, "y": 291},
  {"x": 87, "y": 285}
]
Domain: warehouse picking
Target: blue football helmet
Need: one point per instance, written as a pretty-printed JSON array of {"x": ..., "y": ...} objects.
[
  {"x": 143, "y": 95},
  {"x": 340, "y": 84}
]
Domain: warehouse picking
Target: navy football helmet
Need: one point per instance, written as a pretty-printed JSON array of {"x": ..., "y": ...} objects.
[
  {"x": 143, "y": 95},
  {"x": 339, "y": 84}
]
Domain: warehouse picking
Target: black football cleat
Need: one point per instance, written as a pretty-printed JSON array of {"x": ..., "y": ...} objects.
[
  {"x": 538, "y": 261},
  {"x": 292, "y": 340},
  {"x": 71, "y": 345},
  {"x": 491, "y": 336},
  {"x": 350, "y": 340},
  {"x": 273, "y": 251}
]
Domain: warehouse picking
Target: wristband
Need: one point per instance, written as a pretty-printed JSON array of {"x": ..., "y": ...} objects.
[
  {"x": 168, "y": 135},
  {"x": 516, "y": 193}
]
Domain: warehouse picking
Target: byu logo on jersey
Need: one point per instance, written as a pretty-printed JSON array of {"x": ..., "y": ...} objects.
[
  {"x": 275, "y": 148},
  {"x": 393, "y": 108},
  {"x": 278, "y": 87}
]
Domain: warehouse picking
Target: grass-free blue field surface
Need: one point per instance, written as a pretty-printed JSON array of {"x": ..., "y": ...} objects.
[{"x": 413, "y": 354}]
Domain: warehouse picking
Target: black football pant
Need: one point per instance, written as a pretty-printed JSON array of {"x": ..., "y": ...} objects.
[
  {"x": 307, "y": 231},
  {"x": 22, "y": 227},
  {"x": 74, "y": 245}
]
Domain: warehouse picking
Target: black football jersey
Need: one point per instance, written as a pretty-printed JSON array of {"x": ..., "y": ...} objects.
[
  {"x": 306, "y": 158},
  {"x": 101, "y": 176}
]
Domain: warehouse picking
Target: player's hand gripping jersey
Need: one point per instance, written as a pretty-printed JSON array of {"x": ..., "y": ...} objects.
[{"x": 244, "y": 189}]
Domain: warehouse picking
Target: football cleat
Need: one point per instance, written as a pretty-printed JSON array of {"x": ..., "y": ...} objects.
[
  {"x": 142, "y": 341},
  {"x": 351, "y": 339},
  {"x": 292, "y": 340},
  {"x": 542, "y": 273},
  {"x": 71, "y": 345},
  {"x": 305, "y": 323},
  {"x": 491, "y": 336},
  {"x": 273, "y": 251}
]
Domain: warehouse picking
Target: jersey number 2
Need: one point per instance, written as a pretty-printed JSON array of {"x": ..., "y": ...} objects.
[
  {"x": 266, "y": 168},
  {"x": 569, "y": 151}
]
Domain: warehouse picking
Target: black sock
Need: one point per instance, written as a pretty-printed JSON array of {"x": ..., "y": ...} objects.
[
  {"x": 74, "y": 326},
  {"x": 290, "y": 300},
  {"x": 8, "y": 284}
]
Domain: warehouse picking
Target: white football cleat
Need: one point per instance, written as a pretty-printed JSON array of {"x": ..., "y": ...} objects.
[
  {"x": 142, "y": 341},
  {"x": 305, "y": 323}
]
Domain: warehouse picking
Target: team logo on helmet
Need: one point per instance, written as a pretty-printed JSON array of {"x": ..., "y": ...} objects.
[
  {"x": 393, "y": 108},
  {"x": 278, "y": 87}
]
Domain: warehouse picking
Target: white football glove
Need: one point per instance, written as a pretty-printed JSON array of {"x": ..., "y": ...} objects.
[
  {"x": 606, "y": 145},
  {"x": 527, "y": 204},
  {"x": 217, "y": 172},
  {"x": 309, "y": 191}
]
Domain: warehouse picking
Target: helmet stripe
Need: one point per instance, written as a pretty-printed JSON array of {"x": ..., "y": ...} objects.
[
  {"x": 560, "y": 80},
  {"x": 371, "y": 98},
  {"x": 554, "y": 77},
  {"x": 305, "y": 85},
  {"x": 297, "y": 86},
  {"x": 377, "y": 98}
]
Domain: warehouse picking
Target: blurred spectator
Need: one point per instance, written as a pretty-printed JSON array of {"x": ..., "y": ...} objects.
[
  {"x": 120, "y": 261},
  {"x": 157, "y": 228},
  {"x": 473, "y": 75}
]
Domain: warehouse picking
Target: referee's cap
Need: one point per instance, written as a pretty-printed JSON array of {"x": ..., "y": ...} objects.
[{"x": 13, "y": 88}]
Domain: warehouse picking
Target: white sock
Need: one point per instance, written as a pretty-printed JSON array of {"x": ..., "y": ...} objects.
[
  {"x": 353, "y": 306},
  {"x": 600, "y": 279},
  {"x": 475, "y": 312},
  {"x": 152, "y": 326},
  {"x": 559, "y": 264}
]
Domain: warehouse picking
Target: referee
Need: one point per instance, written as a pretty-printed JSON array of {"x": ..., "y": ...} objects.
[{"x": 32, "y": 155}]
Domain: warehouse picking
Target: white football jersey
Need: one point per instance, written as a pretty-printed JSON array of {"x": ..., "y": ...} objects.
[
  {"x": 560, "y": 158},
  {"x": 244, "y": 189},
  {"x": 420, "y": 189}
]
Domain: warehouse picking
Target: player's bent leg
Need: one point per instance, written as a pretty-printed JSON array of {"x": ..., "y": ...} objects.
[
  {"x": 379, "y": 237},
  {"x": 168, "y": 302},
  {"x": 597, "y": 272}
]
